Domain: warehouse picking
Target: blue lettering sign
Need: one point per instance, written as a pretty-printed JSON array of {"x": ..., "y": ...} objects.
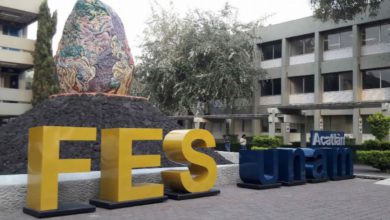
[{"x": 327, "y": 139}]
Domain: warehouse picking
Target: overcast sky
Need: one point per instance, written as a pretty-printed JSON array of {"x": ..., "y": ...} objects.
[{"x": 134, "y": 13}]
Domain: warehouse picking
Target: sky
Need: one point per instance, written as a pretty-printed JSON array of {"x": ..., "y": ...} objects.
[{"x": 134, "y": 14}]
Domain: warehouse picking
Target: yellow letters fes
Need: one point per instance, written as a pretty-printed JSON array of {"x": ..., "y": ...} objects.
[
  {"x": 202, "y": 172},
  {"x": 117, "y": 162},
  {"x": 44, "y": 163}
]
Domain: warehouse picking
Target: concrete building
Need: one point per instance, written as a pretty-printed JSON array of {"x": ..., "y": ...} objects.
[
  {"x": 321, "y": 75},
  {"x": 16, "y": 55}
]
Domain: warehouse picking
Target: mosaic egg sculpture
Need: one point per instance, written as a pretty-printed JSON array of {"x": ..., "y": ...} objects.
[{"x": 93, "y": 54}]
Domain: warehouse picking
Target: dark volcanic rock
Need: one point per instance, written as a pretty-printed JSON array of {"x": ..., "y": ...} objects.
[{"x": 82, "y": 110}]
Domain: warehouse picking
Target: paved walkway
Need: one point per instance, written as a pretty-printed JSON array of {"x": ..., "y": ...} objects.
[
  {"x": 365, "y": 171},
  {"x": 348, "y": 199}
]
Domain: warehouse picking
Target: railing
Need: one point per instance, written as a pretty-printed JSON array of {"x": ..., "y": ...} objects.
[
  {"x": 337, "y": 96},
  {"x": 266, "y": 64},
  {"x": 376, "y": 49},
  {"x": 338, "y": 54},
  {"x": 301, "y": 59},
  {"x": 14, "y": 101},
  {"x": 375, "y": 94},
  {"x": 16, "y": 50}
]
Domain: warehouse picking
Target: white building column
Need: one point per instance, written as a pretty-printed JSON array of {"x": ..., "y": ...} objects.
[{"x": 357, "y": 126}]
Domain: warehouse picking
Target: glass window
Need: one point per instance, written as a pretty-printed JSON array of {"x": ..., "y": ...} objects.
[
  {"x": 270, "y": 87},
  {"x": 12, "y": 31},
  {"x": 277, "y": 86},
  {"x": 385, "y": 33},
  {"x": 277, "y": 50},
  {"x": 366, "y": 125},
  {"x": 371, "y": 35},
  {"x": 338, "y": 123},
  {"x": 266, "y": 87},
  {"x": 309, "y": 84},
  {"x": 371, "y": 79},
  {"x": 296, "y": 47},
  {"x": 296, "y": 85},
  {"x": 272, "y": 51},
  {"x": 338, "y": 40},
  {"x": 268, "y": 51},
  {"x": 345, "y": 81},
  {"x": 301, "y": 46},
  {"x": 309, "y": 45},
  {"x": 345, "y": 39},
  {"x": 331, "y": 82},
  {"x": 385, "y": 78},
  {"x": 302, "y": 84},
  {"x": 332, "y": 41}
]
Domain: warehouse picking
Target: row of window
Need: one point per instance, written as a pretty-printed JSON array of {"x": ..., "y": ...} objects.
[
  {"x": 371, "y": 35},
  {"x": 372, "y": 79}
]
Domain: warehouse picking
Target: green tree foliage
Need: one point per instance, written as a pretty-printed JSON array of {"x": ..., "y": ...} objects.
[
  {"x": 45, "y": 78},
  {"x": 343, "y": 9},
  {"x": 198, "y": 58},
  {"x": 379, "y": 125}
]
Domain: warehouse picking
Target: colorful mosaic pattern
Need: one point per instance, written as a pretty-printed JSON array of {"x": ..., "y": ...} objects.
[{"x": 93, "y": 54}]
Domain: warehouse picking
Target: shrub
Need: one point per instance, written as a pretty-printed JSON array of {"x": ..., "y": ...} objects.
[
  {"x": 259, "y": 148},
  {"x": 377, "y": 159},
  {"x": 371, "y": 145},
  {"x": 379, "y": 125},
  {"x": 385, "y": 145},
  {"x": 350, "y": 141},
  {"x": 266, "y": 141}
]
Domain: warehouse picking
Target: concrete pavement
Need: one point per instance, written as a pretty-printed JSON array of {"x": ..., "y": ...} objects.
[{"x": 348, "y": 199}]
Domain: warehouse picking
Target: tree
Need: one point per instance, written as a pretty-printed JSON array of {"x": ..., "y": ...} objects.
[
  {"x": 379, "y": 124},
  {"x": 343, "y": 9},
  {"x": 199, "y": 58},
  {"x": 45, "y": 79}
]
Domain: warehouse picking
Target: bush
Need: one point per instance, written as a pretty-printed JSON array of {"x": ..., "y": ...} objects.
[
  {"x": 377, "y": 159},
  {"x": 266, "y": 141},
  {"x": 259, "y": 148},
  {"x": 385, "y": 145},
  {"x": 371, "y": 145},
  {"x": 379, "y": 125},
  {"x": 375, "y": 145},
  {"x": 350, "y": 141}
]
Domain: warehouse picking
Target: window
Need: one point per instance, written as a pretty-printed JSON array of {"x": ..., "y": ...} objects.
[
  {"x": 12, "y": 31},
  {"x": 338, "y": 81},
  {"x": 301, "y": 46},
  {"x": 270, "y": 87},
  {"x": 333, "y": 41},
  {"x": 338, "y": 123},
  {"x": 376, "y": 34},
  {"x": 375, "y": 79},
  {"x": 272, "y": 50},
  {"x": 302, "y": 84}
]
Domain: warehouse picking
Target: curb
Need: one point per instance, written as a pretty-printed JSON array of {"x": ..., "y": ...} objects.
[{"x": 371, "y": 177}]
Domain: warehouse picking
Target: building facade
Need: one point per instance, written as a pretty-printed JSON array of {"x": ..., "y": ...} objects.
[
  {"x": 321, "y": 75},
  {"x": 16, "y": 60}
]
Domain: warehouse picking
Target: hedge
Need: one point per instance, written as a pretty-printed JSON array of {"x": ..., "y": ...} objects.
[
  {"x": 375, "y": 158},
  {"x": 259, "y": 148},
  {"x": 266, "y": 141}
]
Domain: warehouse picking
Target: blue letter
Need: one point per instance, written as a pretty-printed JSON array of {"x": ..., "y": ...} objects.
[
  {"x": 291, "y": 166},
  {"x": 315, "y": 164},
  {"x": 259, "y": 166}
]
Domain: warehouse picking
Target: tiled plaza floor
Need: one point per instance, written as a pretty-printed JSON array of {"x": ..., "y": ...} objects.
[{"x": 348, "y": 199}]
